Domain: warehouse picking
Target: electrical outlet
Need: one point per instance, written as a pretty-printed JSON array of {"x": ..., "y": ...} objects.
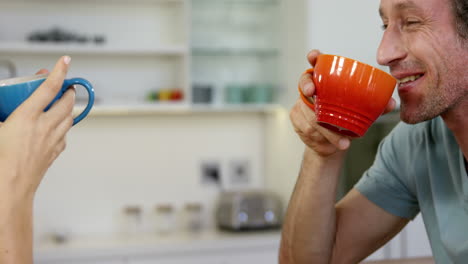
[
  {"x": 239, "y": 172},
  {"x": 210, "y": 171}
]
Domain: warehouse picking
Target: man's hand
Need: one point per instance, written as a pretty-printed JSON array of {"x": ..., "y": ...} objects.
[{"x": 319, "y": 139}]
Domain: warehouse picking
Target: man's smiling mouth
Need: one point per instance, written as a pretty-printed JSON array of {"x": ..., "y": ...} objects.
[{"x": 411, "y": 78}]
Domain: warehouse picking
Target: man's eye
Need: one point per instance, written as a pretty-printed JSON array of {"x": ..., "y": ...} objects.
[
  {"x": 384, "y": 27},
  {"x": 412, "y": 22}
]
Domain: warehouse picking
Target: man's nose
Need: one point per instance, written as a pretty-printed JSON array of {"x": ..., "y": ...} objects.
[{"x": 391, "y": 48}]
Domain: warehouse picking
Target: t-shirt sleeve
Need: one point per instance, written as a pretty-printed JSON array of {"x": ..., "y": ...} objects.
[{"x": 386, "y": 183}]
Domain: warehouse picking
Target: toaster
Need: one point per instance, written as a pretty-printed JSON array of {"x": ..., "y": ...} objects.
[{"x": 248, "y": 210}]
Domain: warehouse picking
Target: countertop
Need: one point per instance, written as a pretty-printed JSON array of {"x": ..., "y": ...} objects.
[
  {"x": 202, "y": 243},
  {"x": 106, "y": 246}
]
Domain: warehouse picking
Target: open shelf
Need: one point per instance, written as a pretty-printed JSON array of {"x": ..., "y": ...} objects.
[
  {"x": 227, "y": 51},
  {"x": 177, "y": 108},
  {"x": 72, "y": 48},
  {"x": 241, "y": 2},
  {"x": 104, "y": 1}
]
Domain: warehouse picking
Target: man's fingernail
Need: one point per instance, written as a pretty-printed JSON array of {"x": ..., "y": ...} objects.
[
  {"x": 67, "y": 59},
  {"x": 343, "y": 143},
  {"x": 308, "y": 88}
]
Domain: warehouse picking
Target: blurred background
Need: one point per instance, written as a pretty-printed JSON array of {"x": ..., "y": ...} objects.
[{"x": 188, "y": 155}]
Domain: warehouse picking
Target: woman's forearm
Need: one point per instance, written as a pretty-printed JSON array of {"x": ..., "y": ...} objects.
[{"x": 16, "y": 224}]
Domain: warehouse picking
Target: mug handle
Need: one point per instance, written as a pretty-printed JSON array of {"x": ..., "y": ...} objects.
[
  {"x": 308, "y": 100},
  {"x": 80, "y": 81}
]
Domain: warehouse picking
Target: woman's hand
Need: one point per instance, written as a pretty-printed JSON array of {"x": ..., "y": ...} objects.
[{"x": 31, "y": 139}]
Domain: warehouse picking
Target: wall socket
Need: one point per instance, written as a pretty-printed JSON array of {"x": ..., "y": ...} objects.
[
  {"x": 210, "y": 172},
  {"x": 239, "y": 172}
]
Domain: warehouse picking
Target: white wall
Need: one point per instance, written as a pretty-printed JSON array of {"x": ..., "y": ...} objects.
[
  {"x": 348, "y": 28},
  {"x": 112, "y": 161},
  {"x": 284, "y": 150}
]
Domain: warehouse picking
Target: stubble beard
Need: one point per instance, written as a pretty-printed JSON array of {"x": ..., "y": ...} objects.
[
  {"x": 439, "y": 99},
  {"x": 426, "y": 109}
]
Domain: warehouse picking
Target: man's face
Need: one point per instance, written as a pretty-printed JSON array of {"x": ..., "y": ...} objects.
[{"x": 425, "y": 53}]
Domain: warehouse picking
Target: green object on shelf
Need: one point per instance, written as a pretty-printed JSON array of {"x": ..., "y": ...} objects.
[
  {"x": 152, "y": 96},
  {"x": 260, "y": 93},
  {"x": 234, "y": 93}
]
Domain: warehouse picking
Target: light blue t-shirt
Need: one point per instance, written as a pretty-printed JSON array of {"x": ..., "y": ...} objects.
[{"x": 420, "y": 168}]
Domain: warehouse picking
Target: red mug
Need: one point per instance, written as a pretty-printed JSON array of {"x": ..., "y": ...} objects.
[{"x": 349, "y": 95}]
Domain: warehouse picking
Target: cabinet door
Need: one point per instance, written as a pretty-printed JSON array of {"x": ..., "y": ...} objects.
[
  {"x": 235, "y": 256},
  {"x": 260, "y": 256},
  {"x": 417, "y": 242},
  {"x": 83, "y": 261},
  {"x": 411, "y": 242}
]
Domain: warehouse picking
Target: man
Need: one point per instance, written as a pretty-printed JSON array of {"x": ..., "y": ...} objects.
[
  {"x": 420, "y": 167},
  {"x": 30, "y": 140}
]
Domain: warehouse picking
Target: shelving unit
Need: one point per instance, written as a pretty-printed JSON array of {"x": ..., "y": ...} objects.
[
  {"x": 145, "y": 48},
  {"x": 235, "y": 50},
  {"x": 149, "y": 47}
]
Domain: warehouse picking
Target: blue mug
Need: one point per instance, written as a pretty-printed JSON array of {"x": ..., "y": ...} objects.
[{"x": 15, "y": 91}]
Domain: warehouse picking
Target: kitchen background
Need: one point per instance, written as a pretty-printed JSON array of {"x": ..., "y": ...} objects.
[{"x": 192, "y": 100}]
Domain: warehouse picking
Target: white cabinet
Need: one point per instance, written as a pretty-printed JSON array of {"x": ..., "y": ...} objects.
[
  {"x": 86, "y": 261},
  {"x": 209, "y": 248},
  {"x": 245, "y": 256},
  {"x": 411, "y": 242},
  {"x": 231, "y": 256},
  {"x": 416, "y": 240}
]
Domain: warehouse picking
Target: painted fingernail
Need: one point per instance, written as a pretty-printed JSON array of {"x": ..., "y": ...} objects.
[
  {"x": 343, "y": 143},
  {"x": 67, "y": 59}
]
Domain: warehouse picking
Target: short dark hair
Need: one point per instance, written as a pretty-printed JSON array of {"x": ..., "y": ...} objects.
[{"x": 460, "y": 8}]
